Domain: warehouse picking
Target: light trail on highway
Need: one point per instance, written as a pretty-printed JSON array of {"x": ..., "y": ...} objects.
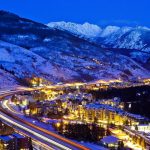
[
  {"x": 36, "y": 144},
  {"x": 33, "y": 132},
  {"x": 6, "y": 105}
]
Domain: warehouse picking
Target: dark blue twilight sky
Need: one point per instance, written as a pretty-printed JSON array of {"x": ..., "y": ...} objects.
[{"x": 101, "y": 12}]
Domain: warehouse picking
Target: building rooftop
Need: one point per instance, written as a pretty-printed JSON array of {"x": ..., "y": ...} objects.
[
  {"x": 17, "y": 135},
  {"x": 6, "y": 138},
  {"x": 110, "y": 139}
]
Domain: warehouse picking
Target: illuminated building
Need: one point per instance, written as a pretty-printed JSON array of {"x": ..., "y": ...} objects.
[{"x": 108, "y": 114}]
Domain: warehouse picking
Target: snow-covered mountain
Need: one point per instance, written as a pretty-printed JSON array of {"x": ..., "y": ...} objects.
[
  {"x": 129, "y": 38},
  {"x": 112, "y": 36},
  {"x": 135, "y": 42},
  {"x": 88, "y": 30},
  {"x": 29, "y": 48}
]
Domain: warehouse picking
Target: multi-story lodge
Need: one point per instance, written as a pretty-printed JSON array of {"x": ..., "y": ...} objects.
[{"x": 102, "y": 113}]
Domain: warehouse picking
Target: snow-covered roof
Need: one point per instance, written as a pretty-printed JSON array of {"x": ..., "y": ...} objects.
[
  {"x": 18, "y": 135},
  {"x": 135, "y": 116},
  {"x": 110, "y": 139},
  {"x": 6, "y": 138}
]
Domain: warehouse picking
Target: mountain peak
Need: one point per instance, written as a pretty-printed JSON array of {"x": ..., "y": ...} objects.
[
  {"x": 109, "y": 36},
  {"x": 86, "y": 29},
  {"x": 109, "y": 30}
]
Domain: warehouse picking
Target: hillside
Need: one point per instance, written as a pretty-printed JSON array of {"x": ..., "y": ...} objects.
[{"x": 28, "y": 48}]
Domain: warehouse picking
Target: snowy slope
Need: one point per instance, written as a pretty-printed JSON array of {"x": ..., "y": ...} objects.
[
  {"x": 63, "y": 66},
  {"x": 7, "y": 79},
  {"x": 23, "y": 63},
  {"x": 129, "y": 38}
]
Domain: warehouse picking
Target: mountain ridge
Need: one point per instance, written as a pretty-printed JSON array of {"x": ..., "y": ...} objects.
[
  {"x": 100, "y": 32},
  {"x": 29, "y": 48}
]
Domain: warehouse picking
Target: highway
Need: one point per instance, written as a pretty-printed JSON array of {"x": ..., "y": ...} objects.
[{"x": 53, "y": 140}]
